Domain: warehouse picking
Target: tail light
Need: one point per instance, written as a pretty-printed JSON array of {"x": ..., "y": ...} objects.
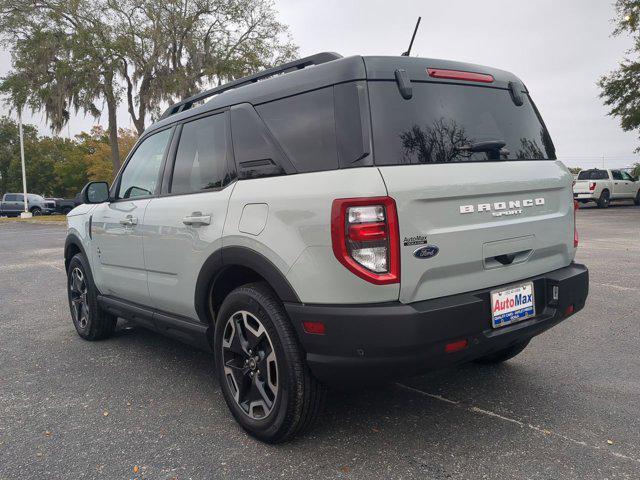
[
  {"x": 575, "y": 229},
  {"x": 365, "y": 238},
  {"x": 592, "y": 186}
]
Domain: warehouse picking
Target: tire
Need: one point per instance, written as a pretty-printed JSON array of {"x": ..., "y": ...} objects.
[
  {"x": 36, "y": 211},
  {"x": 65, "y": 210},
  {"x": 605, "y": 200},
  {"x": 504, "y": 354},
  {"x": 261, "y": 366},
  {"x": 90, "y": 320},
  {"x": 636, "y": 200}
]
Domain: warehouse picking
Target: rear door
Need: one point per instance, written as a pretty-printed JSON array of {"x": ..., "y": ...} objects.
[
  {"x": 619, "y": 185},
  {"x": 12, "y": 203},
  {"x": 492, "y": 213},
  {"x": 183, "y": 226},
  {"x": 117, "y": 226}
]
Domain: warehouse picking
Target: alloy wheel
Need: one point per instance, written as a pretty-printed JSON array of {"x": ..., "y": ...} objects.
[
  {"x": 250, "y": 365},
  {"x": 78, "y": 291}
]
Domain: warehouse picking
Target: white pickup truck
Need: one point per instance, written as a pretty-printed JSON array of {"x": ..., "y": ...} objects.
[{"x": 602, "y": 186}]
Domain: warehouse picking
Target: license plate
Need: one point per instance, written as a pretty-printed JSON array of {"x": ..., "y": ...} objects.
[{"x": 512, "y": 304}]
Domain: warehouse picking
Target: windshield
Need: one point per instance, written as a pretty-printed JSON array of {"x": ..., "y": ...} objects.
[{"x": 445, "y": 123}]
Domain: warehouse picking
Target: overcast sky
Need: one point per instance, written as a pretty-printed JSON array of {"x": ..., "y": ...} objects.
[{"x": 558, "y": 48}]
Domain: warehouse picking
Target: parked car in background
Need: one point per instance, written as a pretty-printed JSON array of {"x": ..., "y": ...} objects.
[
  {"x": 13, "y": 204},
  {"x": 65, "y": 205},
  {"x": 602, "y": 186}
]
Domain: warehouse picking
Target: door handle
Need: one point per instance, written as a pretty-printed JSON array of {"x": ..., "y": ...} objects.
[
  {"x": 196, "y": 219},
  {"x": 129, "y": 221}
]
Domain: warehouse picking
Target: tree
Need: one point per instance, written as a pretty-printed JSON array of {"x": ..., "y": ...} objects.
[
  {"x": 63, "y": 60},
  {"x": 621, "y": 88},
  {"x": 73, "y": 55},
  {"x": 172, "y": 48}
]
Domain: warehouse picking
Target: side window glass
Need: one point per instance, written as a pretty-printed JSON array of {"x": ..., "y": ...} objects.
[
  {"x": 616, "y": 174},
  {"x": 255, "y": 153},
  {"x": 304, "y": 125},
  {"x": 201, "y": 157},
  {"x": 140, "y": 176},
  {"x": 627, "y": 177}
]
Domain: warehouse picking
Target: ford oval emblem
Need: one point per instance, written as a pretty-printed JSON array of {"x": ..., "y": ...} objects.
[{"x": 426, "y": 252}]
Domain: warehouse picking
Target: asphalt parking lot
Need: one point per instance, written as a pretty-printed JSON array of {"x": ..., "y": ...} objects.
[{"x": 142, "y": 406}]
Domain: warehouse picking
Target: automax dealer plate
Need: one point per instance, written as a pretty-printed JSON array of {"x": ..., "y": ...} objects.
[{"x": 512, "y": 304}]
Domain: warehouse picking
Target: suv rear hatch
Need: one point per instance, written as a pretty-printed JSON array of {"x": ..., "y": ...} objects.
[{"x": 474, "y": 177}]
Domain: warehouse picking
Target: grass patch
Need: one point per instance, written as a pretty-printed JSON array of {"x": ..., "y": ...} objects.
[{"x": 57, "y": 219}]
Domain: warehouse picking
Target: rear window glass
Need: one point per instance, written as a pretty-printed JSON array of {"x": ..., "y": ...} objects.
[
  {"x": 593, "y": 175},
  {"x": 304, "y": 127},
  {"x": 201, "y": 156},
  {"x": 445, "y": 123}
]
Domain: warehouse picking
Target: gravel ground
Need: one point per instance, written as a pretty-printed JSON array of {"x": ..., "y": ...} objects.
[{"x": 142, "y": 406}]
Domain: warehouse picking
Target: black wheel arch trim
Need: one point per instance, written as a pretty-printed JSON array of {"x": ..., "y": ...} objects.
[
  {"x": 244, "y": 257},
  {"x": 72, "y": 239}
]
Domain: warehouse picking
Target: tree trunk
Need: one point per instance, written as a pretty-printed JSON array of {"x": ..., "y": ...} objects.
[{"x": 113, "y": 128}]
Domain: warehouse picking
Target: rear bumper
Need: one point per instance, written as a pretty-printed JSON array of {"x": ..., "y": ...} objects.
[
  {"x": 391, "y": 340},
  {"x": 584, "y": 196}
]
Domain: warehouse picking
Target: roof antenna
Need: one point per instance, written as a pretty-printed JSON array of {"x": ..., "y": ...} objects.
[{"x": 406, "y": 54}]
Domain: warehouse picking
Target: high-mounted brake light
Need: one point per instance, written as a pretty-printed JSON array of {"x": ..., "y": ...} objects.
[
  {"x": 460, "y": 75},
  {"x": 365, "y": 238}
]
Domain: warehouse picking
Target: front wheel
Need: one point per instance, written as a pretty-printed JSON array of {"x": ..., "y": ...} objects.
[
  {"x": 36, "y": 211},
  {"x": 261, "y": 367},
  {"x": 504, "y": 354},
  {"x": 90, "y": 320},
  {"x": 636, "y": 200}
]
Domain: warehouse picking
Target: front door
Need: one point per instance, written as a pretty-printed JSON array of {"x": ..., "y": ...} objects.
[
  {"x": 184, "y": 225},
  {"x": 117, "y": 226}
]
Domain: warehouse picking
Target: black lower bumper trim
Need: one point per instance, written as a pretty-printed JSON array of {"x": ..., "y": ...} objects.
[{"x": 392, "y": 340}]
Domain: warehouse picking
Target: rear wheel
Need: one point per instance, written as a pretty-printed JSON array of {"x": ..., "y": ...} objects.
[
  {"x": 90, "y": 320},
  {"x": 504, "y": 354},
  {"x": 261, "y": 367},
  {"x": 604, "y": 200}
]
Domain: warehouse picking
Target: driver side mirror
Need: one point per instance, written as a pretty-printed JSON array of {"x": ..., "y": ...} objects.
[{"x": 95, "y": 192}]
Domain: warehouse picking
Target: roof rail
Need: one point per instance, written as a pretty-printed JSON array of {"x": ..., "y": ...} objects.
[{"x": 316, "y": 59}]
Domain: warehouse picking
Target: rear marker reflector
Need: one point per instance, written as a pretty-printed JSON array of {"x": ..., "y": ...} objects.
[
  {"x": 456, "y": 346},
  {"x": 315, "y": 328},
  {"x": 569, "y": 311},
  {"x": 460, "y": 75}
]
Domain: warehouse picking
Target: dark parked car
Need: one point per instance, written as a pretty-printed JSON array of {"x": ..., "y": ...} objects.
[{"x": 65, "y": 205}]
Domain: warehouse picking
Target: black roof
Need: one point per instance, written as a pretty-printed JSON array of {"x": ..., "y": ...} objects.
[{"x": 318, "y": 71}]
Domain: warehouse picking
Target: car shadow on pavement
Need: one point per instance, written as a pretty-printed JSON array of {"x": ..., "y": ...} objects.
[{"x": 443, "y": 399}]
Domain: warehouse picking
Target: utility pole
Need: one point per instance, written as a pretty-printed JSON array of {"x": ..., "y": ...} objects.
[
  {"x": 603, "y": 161},
  {"x": 26, "y": 213}
]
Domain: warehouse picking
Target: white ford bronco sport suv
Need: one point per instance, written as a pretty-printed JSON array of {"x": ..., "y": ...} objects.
[{"x": 331, "y": 221}]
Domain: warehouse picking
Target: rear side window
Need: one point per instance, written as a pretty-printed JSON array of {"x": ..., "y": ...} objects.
[
  {"x": 616, "y": 174},
  {"x": 304, "y": 126},
  {"x": 201, "y": 156},
  {"x": 444, "y": 123},
  {"x": 593, "y": 175}
]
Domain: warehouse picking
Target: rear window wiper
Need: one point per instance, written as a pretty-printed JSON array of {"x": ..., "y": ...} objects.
[{"x": 495, "y": 148}]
